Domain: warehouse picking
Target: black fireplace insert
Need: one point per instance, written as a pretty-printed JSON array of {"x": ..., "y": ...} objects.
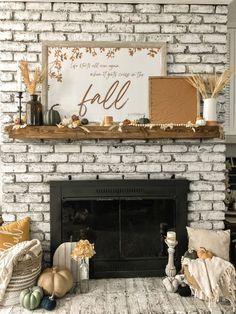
[{"x": 126, "y": 220}]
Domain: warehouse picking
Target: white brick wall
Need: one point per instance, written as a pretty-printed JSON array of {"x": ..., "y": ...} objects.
[{"x": 196, "y": 42}]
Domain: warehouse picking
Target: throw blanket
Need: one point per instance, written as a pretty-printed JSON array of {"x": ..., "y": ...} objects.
[
  {"x": 10, "y": 257},
  {"x": 215, "y": 277}
]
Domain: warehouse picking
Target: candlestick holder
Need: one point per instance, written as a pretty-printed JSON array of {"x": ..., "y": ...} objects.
[
  {"x": 170, "y": 267},
  {"x": 19, "y": 96}
]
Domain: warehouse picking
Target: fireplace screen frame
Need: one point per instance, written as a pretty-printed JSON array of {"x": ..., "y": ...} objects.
[{"x": 175, "y": 189}]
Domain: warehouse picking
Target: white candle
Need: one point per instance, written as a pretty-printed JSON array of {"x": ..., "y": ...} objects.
[
  {"x": 171, "y": 236},
  {"x": 19, "y": 78}
]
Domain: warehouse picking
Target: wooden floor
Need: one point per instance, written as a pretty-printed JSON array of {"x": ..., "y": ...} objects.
[{"x": 127, "y": 296}]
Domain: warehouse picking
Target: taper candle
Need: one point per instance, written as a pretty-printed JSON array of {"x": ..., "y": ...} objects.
[
  {"x": 19, "y": 78},
  {"x": 171, "y": 236}
]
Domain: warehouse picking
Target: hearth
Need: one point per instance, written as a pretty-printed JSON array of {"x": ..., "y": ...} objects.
[{"x": 125, "y": 219}]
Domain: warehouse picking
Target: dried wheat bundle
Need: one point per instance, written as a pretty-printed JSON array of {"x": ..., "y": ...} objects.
[
  {"x": 38, "y": 77},
  {"x": 210, "y": 85}
]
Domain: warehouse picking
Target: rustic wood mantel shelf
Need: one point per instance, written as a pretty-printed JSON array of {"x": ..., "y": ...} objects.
[{"x": 101, "y": 132}]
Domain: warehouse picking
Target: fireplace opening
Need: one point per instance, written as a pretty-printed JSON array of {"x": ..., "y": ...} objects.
[{"x": 126, "y": 220}]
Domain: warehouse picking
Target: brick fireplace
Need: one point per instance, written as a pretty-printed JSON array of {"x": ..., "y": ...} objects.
[{"x": 196, "y": 42}]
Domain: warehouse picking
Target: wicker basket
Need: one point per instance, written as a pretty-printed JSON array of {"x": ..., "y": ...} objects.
[{"x": 25, "y": 274}]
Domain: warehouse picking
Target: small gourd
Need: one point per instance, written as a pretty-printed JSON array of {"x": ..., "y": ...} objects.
[
  {"x": 143, "y": 120},
  {"x": 204, "y": 254},
  {"x": 48, "y": 303},
  {"x": 30, "y": 298},
  {"x": 84, "y": 121},
  {"x": 191, "y": 254},
  {"x": 56, "y": 280},
  {"x": 51, "y": 116}
]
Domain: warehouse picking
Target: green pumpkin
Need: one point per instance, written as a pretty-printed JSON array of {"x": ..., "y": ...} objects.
[
  {"x": 30, "y": 298},
  {"x": 143, "y": 120},
  {"x": 51, "y": 116},
  {"x": 48, "y": 303}
]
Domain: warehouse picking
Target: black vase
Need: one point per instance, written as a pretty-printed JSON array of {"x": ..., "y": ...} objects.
[{"x": 34, "y": 111}]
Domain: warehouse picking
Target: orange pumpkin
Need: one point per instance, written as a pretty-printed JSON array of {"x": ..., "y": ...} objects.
[
  {"x": 56, "y": 281},
  {"x": 204, "y": 254}
]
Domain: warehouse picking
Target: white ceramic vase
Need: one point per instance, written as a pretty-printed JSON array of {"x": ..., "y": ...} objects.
[{"x": 209, "y": 111}]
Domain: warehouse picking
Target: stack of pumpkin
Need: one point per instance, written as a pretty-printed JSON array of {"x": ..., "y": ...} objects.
[{"x": 53, "y": 283}]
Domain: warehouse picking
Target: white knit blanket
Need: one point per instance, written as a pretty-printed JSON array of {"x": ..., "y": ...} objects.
[
  {"x": 10, "y": 257},
  {"x": 215, "y": 277}
]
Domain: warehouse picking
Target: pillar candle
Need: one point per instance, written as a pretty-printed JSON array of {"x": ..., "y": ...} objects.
[
  {"x": 171, "y": 236},
  {"x": 19, "y": 78}
]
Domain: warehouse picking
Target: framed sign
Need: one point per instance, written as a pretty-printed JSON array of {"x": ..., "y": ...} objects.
[{"x": 97, "y": 79}]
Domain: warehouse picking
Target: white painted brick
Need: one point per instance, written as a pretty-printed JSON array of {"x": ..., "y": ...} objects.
[
  {"x": 202, "y": 8},
  {"x": 67, "y": 148},
  {"x": 3, "y": 67},
  {"x": 43, "y": 226},
  {"x": 135, "y": 176},
  {"x": 147, "y": 28},
  {"x": 27, "y": 158},
  {"x": 199, "y": 166},
  {"x": 46, "y": 198},
  {"x": 41, "y": 148},
  {"x": 81, "y": 158},
  {"x": 26, "y": 16},
  {"x": 37, "y": 235},
  {"x": 159, "y": 158},
  {"x": 214, "y": 215},
  {"x": 121, "y": 149},
  {"x": 46, "y": 217},
  {"x": 173, "y": 167},
  {"x": 133, "y": 158},
  {"x": 177, "y": 48},
  {"x": 55, "y": 177},
  {"x": 188, "y": 38},
  {"x": 6, "y": 77},
  {"x": 69, "y": 168},
  {"x": 202, "y": 48},
  {"x": 123, "y": 8},
  {"x": 15, "y": 188},
  {"x": 219, "y": 206},
  {"x": 39, "y": 188},
  {"x": 15, "y": 168},
  {"x": 40, "y": 27},
  {"x": 201, "y": 29},
  {"x": 193, "y": 216},
  {"x": 29, "y": 198},
  {"x": 12, "y": 26},
  {"x": 110, "y": 159},
  {"x": 219, "y": 186},
  {"x": 218, "y": 225},
  {"x": 5, "y": 5},
  {"x": 213, "y": 157},
  {"x": 79, "y": 37},
  {"x": 8, "y": 178},
  {"x": 5, "y": 15},
  {"x": 222, "y": 9},
  {"x": 176, "y": 69},
  {"x": 191, "y": 176},
  {"x": 39, "y": 207},
  {"x": 65, "y": 7},
  {"x": 134, "y": 18},
  {"x": 185, "y": 157},
  {"x": 189, "y": 19},
  {"x": 216, "y": 19},
  {"x": 8, "y": 198},
  {"x": 107, "y": 17},
  {"x": 38, "y": 6},
  {"x": 148, "y": 148},
  {"x": 67, "y": 27},
  {"x": 14, "y": 207},
  {"x": 120, "y": 28},
  {"x": 54, "y": 16},
  {"x": 193, "y": 196},
  {"x": 212, "y": 196},
  {"x": 26, "y": 177},
  {"x": 106, "y": 37},
  {"x": 219, "y": 167},
  {"x": 56, "y": 158},
  {"x": 200, "y": 186},
  {"x": 215, "y": 38},
  {"x": 8, "y": 217},
  {"x": 35, "y": 47},
  {"x": 173, "y": 29},
  {"x": 26, "y": 37},
  {"x": 174, "y": 148},
  {"x": 80, "y": 17},
  {"x": 214, "y": 59},
  {"x": 95, "y": 168},
  {"x": 187, "y": 58},
  {"x": 16, "y": 148},
  {"x": 95, "y": 149},
  {"x": 148, "y": 8},
  {"x": 172, "y": 8},
  {"x": 41, "y": 168},
  {"x": 52, "y": 36},
  {"x": 133, "y": 37},
  {"x": 122, "y": 168},
  {"x": 201, "y": 68},
  {"x": 161, "y": 18},
  {"x": 201, "y": 225},
  {"x": 212, "y": 176},
  {"x": 199, "y": 206},
  {"x": 93, "y": 7},
  {"x": 5, "y": 36},
  {"x": 148, "y": 168},
  {"x": 221, "y": 29}
]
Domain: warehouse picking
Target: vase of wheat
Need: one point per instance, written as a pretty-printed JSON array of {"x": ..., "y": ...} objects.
[{"x": 209, "y": 87}]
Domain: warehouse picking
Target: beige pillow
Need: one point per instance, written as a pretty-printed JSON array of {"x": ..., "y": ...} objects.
[{"x": 217, "y": 241}]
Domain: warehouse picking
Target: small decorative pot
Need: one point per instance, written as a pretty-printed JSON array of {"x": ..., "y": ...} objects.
[
  {"x": 84, "y": 275},
  {"x": 209, "y": 111}
]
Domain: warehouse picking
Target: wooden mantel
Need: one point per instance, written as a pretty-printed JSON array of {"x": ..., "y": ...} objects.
[{"x": 128, "y": 132}]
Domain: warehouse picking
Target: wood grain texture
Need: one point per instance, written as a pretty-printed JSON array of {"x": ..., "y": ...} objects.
[
  {"x": 128, "y": 132},
  {"x": 128, "y": 296}
]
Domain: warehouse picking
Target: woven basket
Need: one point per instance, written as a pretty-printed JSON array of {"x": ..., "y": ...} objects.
[{"x": 25, "y": 274}]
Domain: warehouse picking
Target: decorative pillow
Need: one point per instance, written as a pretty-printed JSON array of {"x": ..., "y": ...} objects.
[
  {"x": 216, "y": 241},
  {"x": 14, "y": 233}
]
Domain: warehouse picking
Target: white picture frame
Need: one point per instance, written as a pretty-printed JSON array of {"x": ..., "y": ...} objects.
[{"x": 97, "y": 79}]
